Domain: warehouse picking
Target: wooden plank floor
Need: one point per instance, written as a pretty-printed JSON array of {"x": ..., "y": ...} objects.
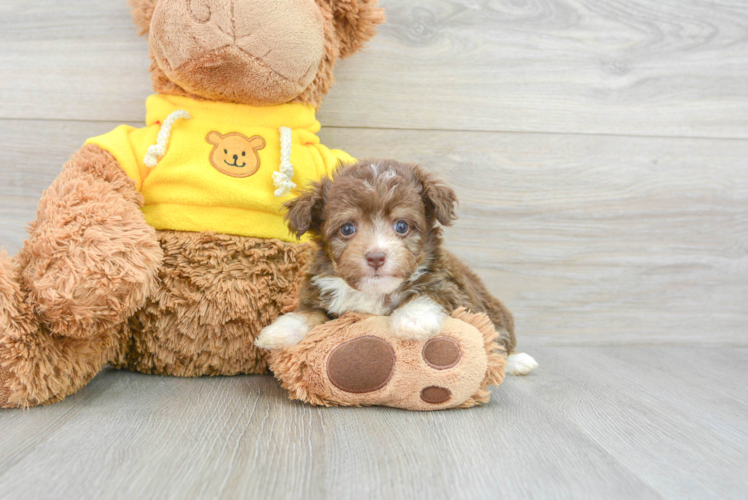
[
  {"x": 600, "y": 151},
  {"x": 592, "y": 422}
]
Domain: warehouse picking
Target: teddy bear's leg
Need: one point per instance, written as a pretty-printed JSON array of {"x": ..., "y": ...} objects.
[
  {"x": 43, "y": 369},
  {"x": 36, "y": 366},
  {"x": 357, "y": 361},
  {"x": 90, "y": 261}
]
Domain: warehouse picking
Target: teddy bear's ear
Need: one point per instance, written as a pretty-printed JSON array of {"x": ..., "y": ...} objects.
[
  {"x": 305, "y": 212},
  {"x": 142, "y": 12},
  {"x": 356, "y": 22}
]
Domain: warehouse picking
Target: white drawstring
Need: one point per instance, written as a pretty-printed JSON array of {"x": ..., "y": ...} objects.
[
  {"x": 158, "y": 150},
  {"x": 282, "y": 178}
]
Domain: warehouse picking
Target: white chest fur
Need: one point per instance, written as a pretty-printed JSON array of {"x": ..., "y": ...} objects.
[{"x": 341, "y": 298}]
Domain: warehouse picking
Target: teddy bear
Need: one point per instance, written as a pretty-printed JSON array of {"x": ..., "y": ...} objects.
[{"x": 162, "y": 249}]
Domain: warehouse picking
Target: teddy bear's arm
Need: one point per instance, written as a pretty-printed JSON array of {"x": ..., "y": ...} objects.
[{"x": 91, "y": 259}]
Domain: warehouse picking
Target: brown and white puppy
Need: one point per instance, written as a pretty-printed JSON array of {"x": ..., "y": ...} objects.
[{"x": 380, "y": 252}]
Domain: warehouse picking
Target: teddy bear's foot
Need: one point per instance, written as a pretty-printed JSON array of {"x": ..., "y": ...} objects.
[
  {"x": 36, "y": 366},
  {"x": 39, "y": 368},
  {"x": 357, "y": 361}
]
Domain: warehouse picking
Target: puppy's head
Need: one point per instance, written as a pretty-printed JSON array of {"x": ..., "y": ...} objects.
[{"x": 375, "y": 221}]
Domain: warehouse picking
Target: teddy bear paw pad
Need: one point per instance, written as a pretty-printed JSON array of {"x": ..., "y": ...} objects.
[
  {"x": 361, "y": 365},
  {"x": 441, "y": 353},
  {"x": 436, "y": 395}
]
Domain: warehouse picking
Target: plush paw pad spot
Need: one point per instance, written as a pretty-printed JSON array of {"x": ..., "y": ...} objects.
[
  {"x": 441, "y": 353},
  {"x": 361, "y": 365},
  {"x": 435, "y": 395}
]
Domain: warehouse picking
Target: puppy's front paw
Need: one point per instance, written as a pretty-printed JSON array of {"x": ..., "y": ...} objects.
[
  {"x": 288, "y": 330},
  {"x": 419, "y": 319},
  {"x": 520, "y": 364}
]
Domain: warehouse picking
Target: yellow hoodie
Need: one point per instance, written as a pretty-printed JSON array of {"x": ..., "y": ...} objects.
[{"x": 219, "y": 166}]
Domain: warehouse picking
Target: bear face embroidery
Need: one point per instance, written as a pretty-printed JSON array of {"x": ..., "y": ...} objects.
[{"x": 235, "y": 154}]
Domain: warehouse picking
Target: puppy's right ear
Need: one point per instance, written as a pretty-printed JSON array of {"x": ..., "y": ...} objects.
[
  {"x": 305, "y": 212},
  {"x": 142, "y": 12},
  {"x": 439, "y": 198}
]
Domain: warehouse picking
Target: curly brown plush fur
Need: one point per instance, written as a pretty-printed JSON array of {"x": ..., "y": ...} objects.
[
  {"x": 36, "y": 365},
  {"x": 91, "y": 259},
  {"x": 216, "y": 292}
]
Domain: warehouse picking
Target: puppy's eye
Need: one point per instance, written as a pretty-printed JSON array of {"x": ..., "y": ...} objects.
[
  {"x": 402, "y": 227},
  {"x": 348, "y": 229},
  {"x": 244, "y": 153},
  {"x": 226, "y": 151}
]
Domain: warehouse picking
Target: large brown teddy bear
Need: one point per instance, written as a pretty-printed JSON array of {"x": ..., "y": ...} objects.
[{"x": 162, "y": 249}]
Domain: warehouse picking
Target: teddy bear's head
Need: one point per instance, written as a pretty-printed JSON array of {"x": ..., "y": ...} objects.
[{"x": 258, "y": 52}]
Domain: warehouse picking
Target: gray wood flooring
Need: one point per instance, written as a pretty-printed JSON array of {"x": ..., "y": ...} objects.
[{"x": 600, "y": 151}]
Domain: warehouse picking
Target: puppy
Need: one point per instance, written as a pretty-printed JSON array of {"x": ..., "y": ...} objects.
[{"x": 380, "y": 252}]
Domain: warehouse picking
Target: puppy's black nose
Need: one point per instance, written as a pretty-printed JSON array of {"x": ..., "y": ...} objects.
[
  {"x": 236, "y": 157},
  {"x": 375, "y": 259}
]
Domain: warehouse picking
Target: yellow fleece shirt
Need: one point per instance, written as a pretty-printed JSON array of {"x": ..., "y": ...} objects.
[{"x": 218, "y": 164}]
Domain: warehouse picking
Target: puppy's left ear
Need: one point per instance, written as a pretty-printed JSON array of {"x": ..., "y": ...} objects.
[
  {"x": 355, "y": 22},
  {"x": 305, "y": 212},
  {"x": 439, "y": 198}
]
